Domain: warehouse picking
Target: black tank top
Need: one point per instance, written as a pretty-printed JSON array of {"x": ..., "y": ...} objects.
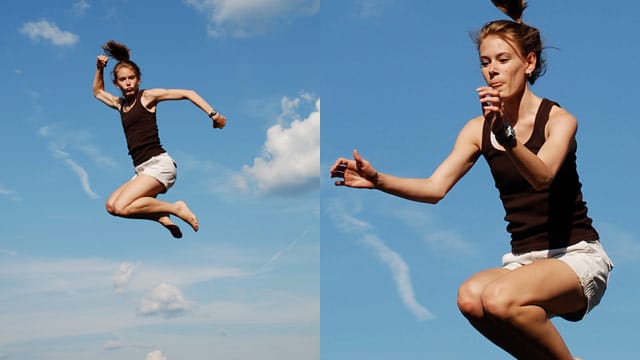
[
  {"x": 551, "y": 218},
  {"x": 141, "y": 131}
]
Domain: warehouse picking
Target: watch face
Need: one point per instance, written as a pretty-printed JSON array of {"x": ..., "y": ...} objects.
[{"x": 510, "y": 135}]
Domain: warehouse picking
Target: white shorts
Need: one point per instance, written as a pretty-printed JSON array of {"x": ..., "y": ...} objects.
[
  {"x": 160, "y": 167},
  {"x": 587, "y": 259}
]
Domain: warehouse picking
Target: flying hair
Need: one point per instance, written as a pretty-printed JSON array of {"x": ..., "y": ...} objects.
[
  {"x": 116, "y": 50},
  {"x": 513, "y": 8}
]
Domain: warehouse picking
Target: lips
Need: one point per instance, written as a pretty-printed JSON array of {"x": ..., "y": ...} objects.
[{"x": 496, "y": 85}]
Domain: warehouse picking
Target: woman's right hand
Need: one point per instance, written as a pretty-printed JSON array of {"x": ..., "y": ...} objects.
[
  {"x": 101, "y": 61},
  {"x": 357, "y": 173}
]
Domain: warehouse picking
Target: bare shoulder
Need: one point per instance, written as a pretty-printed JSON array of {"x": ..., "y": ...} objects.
[
  {"x": 561, "y": 117},
  {"x": 561, "y": 122},
  {"x": 472, "y": 131}
]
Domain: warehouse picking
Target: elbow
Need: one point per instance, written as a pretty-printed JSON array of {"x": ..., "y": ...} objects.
[
  {"x": 541, "y": 183},
  {"x": 190, "y": 94},
  {"x": 434, "y": 198}
]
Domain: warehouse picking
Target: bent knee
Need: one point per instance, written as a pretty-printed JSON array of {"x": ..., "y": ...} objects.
[
  {"x": 116, "y": 209},
  {"x": 498, "y": 304},
  {"x": 110, "y": 207},
  {"x": 469, "y": 301}
]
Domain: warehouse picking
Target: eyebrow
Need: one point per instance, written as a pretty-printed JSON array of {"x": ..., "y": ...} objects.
[{"x": 504, "y": 53}]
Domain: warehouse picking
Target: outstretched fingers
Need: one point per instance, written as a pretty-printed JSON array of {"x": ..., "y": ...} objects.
[{"x": 339, "y": 169}]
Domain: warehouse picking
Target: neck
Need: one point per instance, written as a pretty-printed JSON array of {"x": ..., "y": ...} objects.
[
  {"x": 520, "y": 105},
  {"x": 129, "y": 99}
]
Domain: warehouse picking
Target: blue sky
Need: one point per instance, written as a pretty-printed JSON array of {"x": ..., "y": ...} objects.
[
  {"x": 77, "y": 283},
  {"x": 399, "y": 85},
  {"x": 398, "y": 79}
]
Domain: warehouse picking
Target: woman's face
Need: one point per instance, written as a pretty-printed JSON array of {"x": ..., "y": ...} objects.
[
  {"x": 503, "y": 67},
  {"x": 127, "y": 81}
]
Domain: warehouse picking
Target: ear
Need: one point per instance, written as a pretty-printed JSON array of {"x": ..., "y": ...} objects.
[{"x": 531, "y": 61}]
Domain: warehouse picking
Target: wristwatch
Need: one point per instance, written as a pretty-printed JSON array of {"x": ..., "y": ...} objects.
[
  {"x": 213, "y": 113},
  {"x": 508, "y": 138}
]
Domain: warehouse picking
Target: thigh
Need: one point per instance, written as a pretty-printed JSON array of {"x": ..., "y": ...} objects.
[
  {"x": 550, "y": 284},
  {"x": 479, "y": 281},
  {"x": 140, "y": 186},
  {"x": 114, "y": 195}
]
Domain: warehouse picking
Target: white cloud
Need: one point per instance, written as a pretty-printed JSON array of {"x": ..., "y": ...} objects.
[
  {"x": 43, "y": 29},
  {"x": 156, "y": 355},
  {"x": 166, "y": 301},
  {"x": 245, "y": 18},
  {"x": 122, "y": 278},
  {"x": 57, "y": 296},
  {"x": 290, "y": 163},
  {"x": 401, "y": 276}
]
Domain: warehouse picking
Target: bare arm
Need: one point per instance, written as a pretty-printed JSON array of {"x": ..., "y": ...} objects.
[
  {"x": 98, "y": 84},
  {"x": 541, "y": 169},
  {"x": 360, "y": 174},
  {"x": 153, "y": 96}
]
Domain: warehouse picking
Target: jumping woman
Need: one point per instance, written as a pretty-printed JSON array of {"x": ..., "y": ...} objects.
[
  {"x": 155, "y": 170},
  {"x": 557, "y": 266}
]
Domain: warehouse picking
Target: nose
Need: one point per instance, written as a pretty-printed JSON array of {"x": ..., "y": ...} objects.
[{"x": 492, "y": 71}]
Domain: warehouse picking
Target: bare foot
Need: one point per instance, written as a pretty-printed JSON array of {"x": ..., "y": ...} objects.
[
  {"x": 169, "y": 225},
  {"x": 183, "y": 212}
]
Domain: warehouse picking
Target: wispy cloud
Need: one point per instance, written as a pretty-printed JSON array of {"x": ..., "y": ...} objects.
[
  {"x": 271, "y": 262},
  {"x": 57, "y": 296},
  {"x": 401, "y": 276},
  {"x": 246, "y": 18},
  {"x": 166, "y": 301},
  {"x": 76, "y": 140},
  {"x": 113, "y": 345},
  {"x": 290, "y": 162},
  {"x": 45, "y": 30},
  {"x": 122, "y": 278},
  {"x": 82, "y": 174},
  {"x": 421, "y": 220},
  {"x": 10, "y": 194},
  {"x": 80, "y": 7},
  {"x": 345, "y": 220}
]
